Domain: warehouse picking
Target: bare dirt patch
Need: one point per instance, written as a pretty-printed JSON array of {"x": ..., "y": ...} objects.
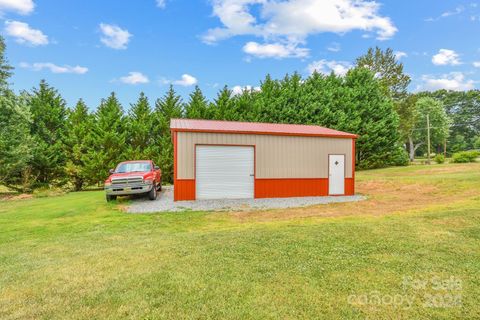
[
  {"x": 15, "y": 197},
  {"x": 384, "y": 197}
]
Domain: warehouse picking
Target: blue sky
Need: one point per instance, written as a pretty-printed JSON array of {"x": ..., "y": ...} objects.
[{"x": 86, "y": 48}]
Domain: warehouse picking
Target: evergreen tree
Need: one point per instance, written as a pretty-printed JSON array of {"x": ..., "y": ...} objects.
[
  {"x": 48, "y": 130},
  {"x": 79, "y": 127},
  {"x": 246, "y": 106},
  {"x": 388, "y": 69},
  {"x": 15, "y": 143},
  {"x": 197, "y": 106},
  {"x": 378, "y": 144},
  {"x": 5, "y": 67},
  {"x": 168, "y": 107},
  {"x": 223, "y": 105},
  {"x": 141, "y": 134},
  {"x": 107, "y": 142},
  {"x": 15, "y": 140}
]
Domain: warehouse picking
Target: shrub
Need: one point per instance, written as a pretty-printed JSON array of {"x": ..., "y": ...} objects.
[
  {"x": 400, "y": 157},
  {"x": 439, "y": 158},
  {"x": 465, "y": 156},
  {"x": 476, "y": 143}
]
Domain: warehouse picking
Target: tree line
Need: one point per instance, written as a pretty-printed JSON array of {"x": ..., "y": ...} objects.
[{"x": 43, "y": 142}]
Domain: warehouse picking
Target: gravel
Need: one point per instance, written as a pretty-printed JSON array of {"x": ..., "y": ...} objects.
[{"x": 165, "y": 203}]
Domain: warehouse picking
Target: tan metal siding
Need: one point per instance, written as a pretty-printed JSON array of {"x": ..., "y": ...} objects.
[{"x": 276, "y": 156}]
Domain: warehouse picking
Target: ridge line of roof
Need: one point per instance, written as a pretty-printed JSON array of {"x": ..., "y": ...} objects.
[{"x": 333, "y": 132}]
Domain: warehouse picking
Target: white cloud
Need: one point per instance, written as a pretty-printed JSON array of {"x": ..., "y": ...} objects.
[
  {"x": 23, "y": 34},
  {"x": 326, "y": 67},
  {"x": 38, "y": 66},
  {"x": 186, "y": 80},
  {"x": 452, "y": 81},
  {"x": 114, "y": 36},
  {"x": 446, "y": 14},
  {"x": 446, "y": 57},
  {"x": 274, "y": 50},
  {"x": 161, "y": 3},
  {"x": 291, "y": 22},
  {"x": 134, "y": 77},
  {"x": 334, "y": 47},
  {"x": 400, "y": 54},
  {"x": 236, "y": 90},
  {"x": 476, "y": 64},
  {"x": 19, "y": 6}
]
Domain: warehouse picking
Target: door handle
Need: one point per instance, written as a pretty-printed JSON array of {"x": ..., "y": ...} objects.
[{"x": 252, "y": 175}]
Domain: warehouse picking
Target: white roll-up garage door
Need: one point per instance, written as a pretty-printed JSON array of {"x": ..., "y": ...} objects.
[{"x": 224, "y": 172}]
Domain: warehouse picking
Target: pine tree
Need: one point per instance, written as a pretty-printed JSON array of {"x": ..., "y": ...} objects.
[
  {"x": 5, "y": 67},
  {"x": 378, "y": 144},
  {"x": 387, "y": 69},
  {"x": 166, "y": 108},
  {"x": 141, "y": 135},
  {"x": 15, "y": 140},
  {"x": 266, "y": 103},
  {"x": 15, "y": 143},
  {"x": 197, "y": 107},
  {"x": 107, "y": 142},
  {"x": 48, "y": 130},
  {"x": 223, "y": 105},
  {"x": 79, "y": 127}
]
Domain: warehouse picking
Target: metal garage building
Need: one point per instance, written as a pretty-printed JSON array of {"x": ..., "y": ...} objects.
[{"x": 225, "y": 159}]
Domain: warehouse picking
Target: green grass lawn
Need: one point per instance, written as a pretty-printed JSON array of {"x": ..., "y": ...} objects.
[{"x": 75, "y": 256}]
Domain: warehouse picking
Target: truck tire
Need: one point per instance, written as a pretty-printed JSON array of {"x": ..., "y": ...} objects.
[
  {"x": 152, "y": 194},
  {"x": 160, "y": 185},
  {"x": 111, "y": 197}
]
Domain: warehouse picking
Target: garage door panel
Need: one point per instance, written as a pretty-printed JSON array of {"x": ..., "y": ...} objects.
[{"x": 224, "y": 172}]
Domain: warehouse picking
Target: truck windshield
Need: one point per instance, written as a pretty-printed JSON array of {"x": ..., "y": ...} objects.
[{"x": 133, "y": 167}]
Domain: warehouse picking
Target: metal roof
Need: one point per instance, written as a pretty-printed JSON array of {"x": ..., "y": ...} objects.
[{"x": 194, "y": 125}]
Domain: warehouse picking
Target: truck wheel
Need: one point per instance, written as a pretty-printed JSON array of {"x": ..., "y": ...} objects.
[
  {"x": 152, "y": 194},
  {"x": 111, "y": 197},
  {"x": 160, "y": 185}
]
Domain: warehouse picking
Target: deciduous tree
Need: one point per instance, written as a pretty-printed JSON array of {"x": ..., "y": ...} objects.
[{"x": 439, "y": 123}]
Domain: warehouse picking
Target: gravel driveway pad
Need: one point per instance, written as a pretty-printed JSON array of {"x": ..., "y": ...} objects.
[{"x": 165, "y": 203}]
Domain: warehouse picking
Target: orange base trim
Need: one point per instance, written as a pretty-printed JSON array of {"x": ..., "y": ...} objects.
[
  {"x": 349, "y": 186},
  {"x": 285, "y": 188},
  {"x": 184, "y": 189}
]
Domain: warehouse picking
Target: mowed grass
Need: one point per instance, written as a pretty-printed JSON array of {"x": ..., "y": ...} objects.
[{"x": 77, "y": 257}]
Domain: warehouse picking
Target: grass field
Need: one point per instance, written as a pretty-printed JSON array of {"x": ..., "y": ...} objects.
[{"x": 412, "y": 250}]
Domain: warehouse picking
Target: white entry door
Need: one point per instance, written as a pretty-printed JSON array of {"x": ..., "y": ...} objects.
[
  {"x": 224, "y": 172},
  {"x": 336, "y": 174}
]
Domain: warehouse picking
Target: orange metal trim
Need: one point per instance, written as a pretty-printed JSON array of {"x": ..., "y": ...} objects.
[
  {"x": 349, "y": 186},
  {"x": 285, "y": 188},
  {"x": 184, "y": 189},
  {"x": 353, "y": 168}
]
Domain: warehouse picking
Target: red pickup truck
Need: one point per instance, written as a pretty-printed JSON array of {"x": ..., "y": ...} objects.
[{"x": 134, "y": 177}]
